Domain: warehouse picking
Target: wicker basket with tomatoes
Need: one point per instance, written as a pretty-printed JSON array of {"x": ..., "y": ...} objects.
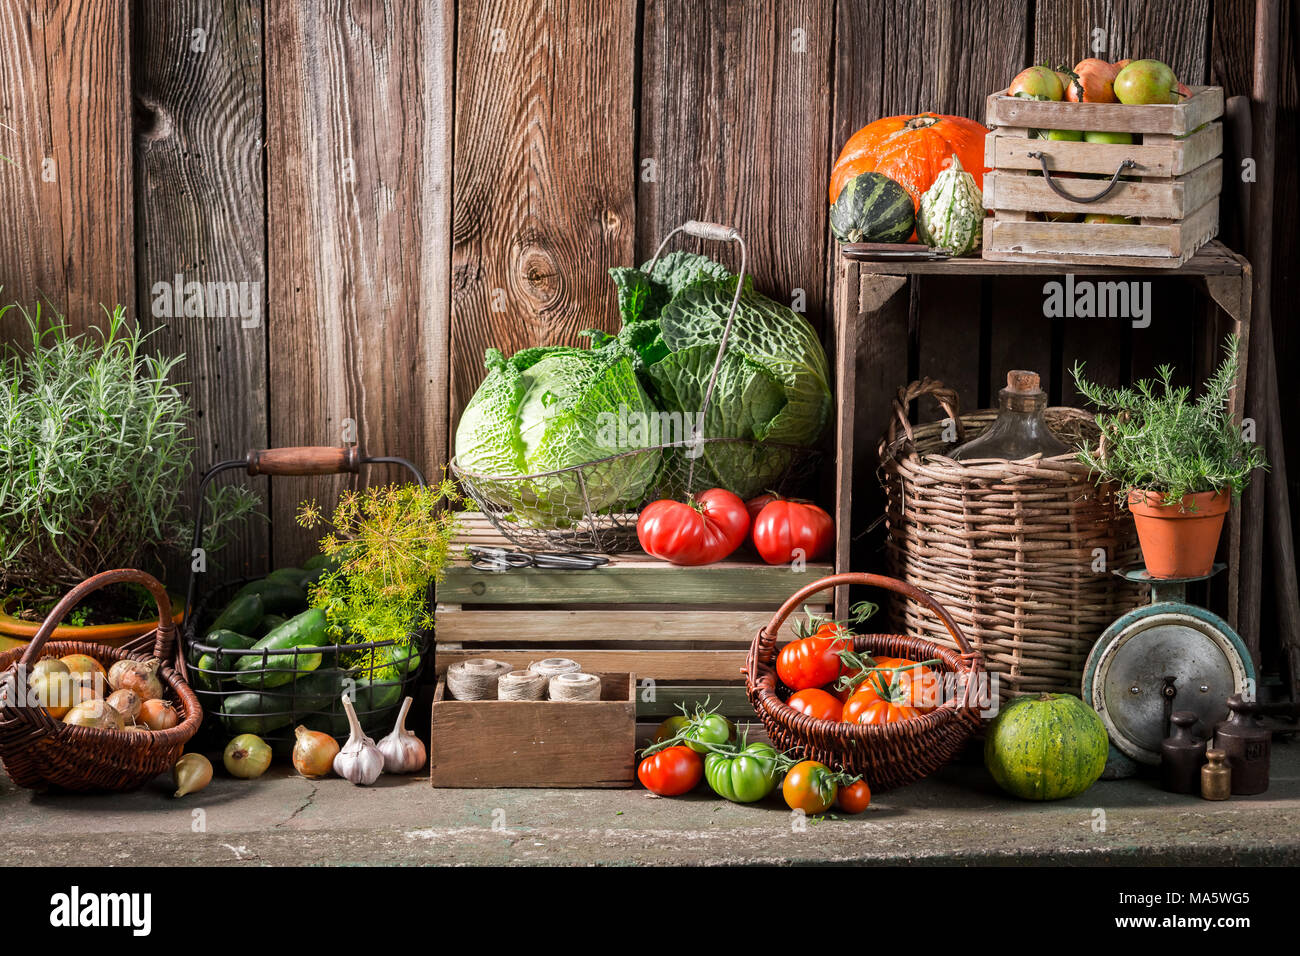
[{"x": 889, "y": 707}]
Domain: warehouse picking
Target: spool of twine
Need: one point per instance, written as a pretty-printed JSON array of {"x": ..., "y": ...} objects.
[
  {"x": 573, "y": 686},
  {"x": 521, "y": 685},
  {"x": 554, "y": 665},
  {"x": 475, "y": 679}
]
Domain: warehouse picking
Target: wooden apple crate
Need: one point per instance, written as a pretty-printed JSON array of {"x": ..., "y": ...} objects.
[
  {"x": 1172, "y": 190},
  {"x": 683, "y": 631},
  {"x": 536, "y": 743}
]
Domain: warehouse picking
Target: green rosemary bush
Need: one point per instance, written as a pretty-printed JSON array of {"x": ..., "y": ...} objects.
[
  {"x": 96, "y": 457},
  {"x": 1154, "y": 438}
]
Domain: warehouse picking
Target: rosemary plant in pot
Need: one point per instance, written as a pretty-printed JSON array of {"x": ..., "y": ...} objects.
[
  {"x": 94, "y": 439},
  {"x": 1179, "y": 463}
]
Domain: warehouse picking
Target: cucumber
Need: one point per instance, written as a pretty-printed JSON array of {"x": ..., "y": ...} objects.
[
  {"x": 277, "y": 594},
  {"x": 264, "y": 671},
  {"x": 374, "y": 702},
  {"x": 241, "y": 615},
  {"x": 296, "y": 576},
  {"x": 269, "y": 624},
  {"x": 211, "y": 662},
  {"x": 256, "y": 712}
]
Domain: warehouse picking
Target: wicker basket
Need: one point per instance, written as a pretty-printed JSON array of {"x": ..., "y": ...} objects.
[
  {"x": 887, "y": 755},
  {"x": 1020, "y": 552},
  {"x": 38, "y": 751}
]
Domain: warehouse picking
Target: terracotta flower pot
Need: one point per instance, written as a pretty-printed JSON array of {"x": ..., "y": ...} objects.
[
  {"x": 1179, "y": 539},
  {"x": 14, "y": 631}
]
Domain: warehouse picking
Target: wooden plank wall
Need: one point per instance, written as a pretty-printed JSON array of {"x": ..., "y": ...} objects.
[{"x": 408, "y": 184}]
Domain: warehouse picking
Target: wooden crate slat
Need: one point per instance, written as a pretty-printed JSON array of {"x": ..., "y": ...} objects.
[
  {"x": 1005, "y": 149},
  {"x": 1205, "y": 104},
  {"x": 657, "y": 665},
  {"x": 730, "y": 699},
  {"x": 532, "y": 625},
  {"x": 1166, "y": 199}
]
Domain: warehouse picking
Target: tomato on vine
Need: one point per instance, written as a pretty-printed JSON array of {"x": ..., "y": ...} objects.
[
  {"x": 810, "y": 786},
  {"x": 671, "y": 772},
  {"x": 854, "y": 797}
]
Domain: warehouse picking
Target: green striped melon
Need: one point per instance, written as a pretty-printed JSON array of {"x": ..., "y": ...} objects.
[
  {"x": 1046, "y": 747},
  {"x": 872, "y": 208},
  {"x": 951, "y": 213}
]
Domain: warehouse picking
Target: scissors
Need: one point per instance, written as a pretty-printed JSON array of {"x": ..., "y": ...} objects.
[{"x": 503, "y": 559}]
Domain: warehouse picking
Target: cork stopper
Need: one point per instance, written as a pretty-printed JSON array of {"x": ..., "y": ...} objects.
[{"x": 1021, "y": 380}]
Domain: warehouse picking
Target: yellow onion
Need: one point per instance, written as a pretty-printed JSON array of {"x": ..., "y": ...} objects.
[
  {"x": 313, "y": 752},
  {"x": 47, "y": 665},
  {"x": 94, "y": 713},
  {"x": 83, "y": 664},
  {"x": 139, "y": 676},
  {"x": 158, "y": 714},
  {"x": 192, "y": 773},
  {"x": 247, "y": 756},
  {"x": 54, "y": 688},
  {"x": 126, "y": 702}
]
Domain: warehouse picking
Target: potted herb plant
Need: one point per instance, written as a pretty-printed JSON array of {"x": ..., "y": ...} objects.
[
  {"x": 1178, "y": 463},
  {"x": 94, "y": 439}
]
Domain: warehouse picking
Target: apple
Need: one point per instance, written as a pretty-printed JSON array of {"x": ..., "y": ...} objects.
[
  {"x": 1092, "y": 82},
  {"x": 1096, "y": 136},
  {"x": 1037, "y": 83},
  {"x": 1102, "y": 217},
  {"x": 1120, "y": 64},
  {"x": 1146, "y": 81},
  {"x": 1184, "y": 91}
]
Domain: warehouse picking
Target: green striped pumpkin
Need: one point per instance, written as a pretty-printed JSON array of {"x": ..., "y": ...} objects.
[
  {"x": 1046, "y": 747},
  {"x": 951, "y": 214},
  {"x": 872, "y": 208}
]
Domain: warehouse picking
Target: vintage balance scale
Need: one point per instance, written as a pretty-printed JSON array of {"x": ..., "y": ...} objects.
[{"x": 1169, "y": 655}]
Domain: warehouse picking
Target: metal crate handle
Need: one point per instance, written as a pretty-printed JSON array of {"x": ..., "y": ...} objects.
[{"x": 1060, "y": 190}]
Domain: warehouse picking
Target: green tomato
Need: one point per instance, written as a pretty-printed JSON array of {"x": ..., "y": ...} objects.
[
  {"x": 713, "y": 729},
  {"x": 746, "y": 777},
  {"x": 670, "y": 728}
]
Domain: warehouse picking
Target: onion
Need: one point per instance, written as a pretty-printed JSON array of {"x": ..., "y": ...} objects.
[
  {"x": 158, "y": 715},
  {"x": 192, "y": 773},
  {"x": 247, "y": 756},
  {"x": 47, "y": 665},
  {"x": 126, "y": 702},
  {"x": 141, "y": 677},
  {"x": 313, "y": 752},
  {"x": 95, "y": 713},
  {"x": 53, "y": 687},
  {"x": 83, "y": 664}
]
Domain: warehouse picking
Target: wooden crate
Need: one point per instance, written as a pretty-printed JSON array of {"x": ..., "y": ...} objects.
[
  {"x": 683, "y": 631},
  {"x": 1173, "y": 191},
  {"x": 545, "y": 743}
]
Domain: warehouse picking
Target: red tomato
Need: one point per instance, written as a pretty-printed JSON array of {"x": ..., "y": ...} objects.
[
  {"x": 672, "y": 771},
  {"x": 755, "y": 505},
  {"x": 816, "y": 703},
  {"x": 867, "y": 707},
  {"x": 813, "y": 661},
  {"x": 785, "y": 526},
  {"x": 854, "y": 797},
  {"x": 706, "y": 529},
  {"x": 809, "y": 786}
]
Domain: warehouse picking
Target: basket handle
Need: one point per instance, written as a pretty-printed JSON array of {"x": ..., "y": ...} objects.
[
  {"x": 800, "y": 597},
  {"x": 305, "y": 460},
  {"x": 945, "y": 396},
  {"x": 166, "y": 629}
]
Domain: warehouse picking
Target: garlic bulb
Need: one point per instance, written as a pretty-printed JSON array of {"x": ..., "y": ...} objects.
[
  {"x": 359, "y": 761},
  {"x": 403, "y": 751}
]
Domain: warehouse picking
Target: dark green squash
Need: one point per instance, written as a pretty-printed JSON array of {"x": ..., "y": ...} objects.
[{"x": 872, "y": 208}]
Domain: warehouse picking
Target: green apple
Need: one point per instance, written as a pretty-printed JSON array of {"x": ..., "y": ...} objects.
[
  {"x": 1094, "y": 136},
  {"x": 1146, "y": 81}
]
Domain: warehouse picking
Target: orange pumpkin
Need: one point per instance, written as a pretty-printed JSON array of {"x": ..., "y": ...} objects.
[{"x": 911, "y": 150}]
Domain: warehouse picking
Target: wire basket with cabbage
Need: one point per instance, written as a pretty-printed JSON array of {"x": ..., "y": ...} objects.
[{"x": 708, "y": 384}]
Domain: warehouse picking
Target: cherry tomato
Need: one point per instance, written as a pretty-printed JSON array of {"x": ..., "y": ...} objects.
[
  {"x": 786, "y": 529},
  {"x": 809, "y": 786},
  {"x": 813, "y": 661},
  {"x": 671, "y": 772},
  {"x": 817, "y": 703},
  {"x": 854, "y": 797},
  {"x": 706, "y": 529}
]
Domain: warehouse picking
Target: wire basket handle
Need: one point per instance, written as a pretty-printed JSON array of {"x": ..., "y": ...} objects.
[
  {"x": 715, "y": 232},
  {"x": 799, "y": 598},
  {"x": 162, "y": 647},
  {"x": 945, "y": 396}
]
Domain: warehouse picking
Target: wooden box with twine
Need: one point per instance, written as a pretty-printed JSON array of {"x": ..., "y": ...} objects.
[{"x": 1019, "y": 552}]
